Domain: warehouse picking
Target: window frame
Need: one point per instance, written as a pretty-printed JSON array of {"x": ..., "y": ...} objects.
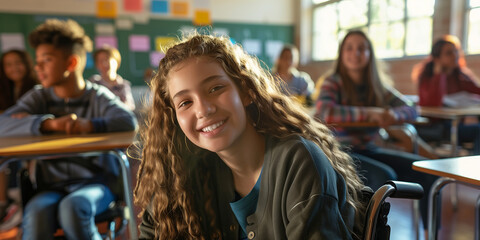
[
  {"x": 404, "y": 21},
  {"x": 466, "y": 29}
]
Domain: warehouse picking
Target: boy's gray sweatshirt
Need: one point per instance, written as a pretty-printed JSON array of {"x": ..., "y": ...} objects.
[{"x": 102, "y": 107}]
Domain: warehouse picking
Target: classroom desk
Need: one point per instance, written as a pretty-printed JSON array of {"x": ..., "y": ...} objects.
[
  {"x": 453, "y": 114},
  {"x": 407, "y": 126},
  {"x": 22, "y": 148},
  {"x": 462, "y": 170}
]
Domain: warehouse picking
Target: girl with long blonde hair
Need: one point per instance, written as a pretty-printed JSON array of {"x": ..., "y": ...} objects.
[{"x": 226, "y": 155}]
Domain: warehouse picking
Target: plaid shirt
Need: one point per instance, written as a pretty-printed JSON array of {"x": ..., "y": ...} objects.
[{"x": 331, "y": 107}]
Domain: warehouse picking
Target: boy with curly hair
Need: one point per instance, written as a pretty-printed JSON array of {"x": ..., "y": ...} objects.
[{"x": 71, "y": 191}]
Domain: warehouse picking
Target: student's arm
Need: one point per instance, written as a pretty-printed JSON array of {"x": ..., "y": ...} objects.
[
  {"x": 113, "y": 115},
  {"x": 401, "y": 109},
  {"x": 431, "y": 90},
  {"x": 467, "y": 84},
  {"x": 25, "y": 117},
  {"x": 69, "y": 124},
  {"x": 330, "y": 109},
  {"x": 316, "y": 202}
]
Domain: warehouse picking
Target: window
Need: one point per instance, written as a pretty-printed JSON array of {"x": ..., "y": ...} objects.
[
  {"x": 473, "y": 27},
  {"x": 397, "y": 27}
]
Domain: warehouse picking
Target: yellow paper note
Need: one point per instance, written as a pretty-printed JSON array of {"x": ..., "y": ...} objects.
[
  {"x": 180, "y": 8},
  {"x": 162, "y": 43},
  {"x": 106, "y": 9},
  {"x": 202, "y": 17}
]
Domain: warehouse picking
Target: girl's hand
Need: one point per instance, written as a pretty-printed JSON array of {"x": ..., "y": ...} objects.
[
  {"x": 383, "y": 117},
  {"x": 438, "y": 68},
  {"x": 388, "y": 118}
]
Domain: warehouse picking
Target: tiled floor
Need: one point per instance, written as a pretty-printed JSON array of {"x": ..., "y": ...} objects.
[{"x": 456, "y": 225}]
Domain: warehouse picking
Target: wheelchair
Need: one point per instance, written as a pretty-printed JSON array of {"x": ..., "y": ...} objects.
[{"x": 376, "y": 214}]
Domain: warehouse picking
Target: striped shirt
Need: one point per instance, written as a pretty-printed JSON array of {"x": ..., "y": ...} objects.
[{"x": 331, "y": 107}]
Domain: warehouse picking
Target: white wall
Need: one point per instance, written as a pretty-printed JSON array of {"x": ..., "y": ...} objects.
[{"x": 242, "y": 11}]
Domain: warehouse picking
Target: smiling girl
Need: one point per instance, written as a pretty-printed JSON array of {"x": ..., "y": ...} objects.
[
  {"x": 356, "y": 92},
  {"x": 16, "y": 77},
  {"x": 226, "y": 155}
]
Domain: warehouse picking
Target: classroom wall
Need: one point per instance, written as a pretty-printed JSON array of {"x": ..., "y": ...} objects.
[
  {"x": 260, "y": 32},
  {"x": 244, "y": 11}
]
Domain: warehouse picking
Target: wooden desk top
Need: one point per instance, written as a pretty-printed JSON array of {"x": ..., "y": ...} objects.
[
  {"x": 448, "y": 113},
  {"x": 464, "y": 169},
  {"x": 52, "y": 144},
  {"x": 418, "y": 121}
]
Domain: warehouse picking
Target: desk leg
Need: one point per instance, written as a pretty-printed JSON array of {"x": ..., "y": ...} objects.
[
  {"x": 433, "y": 202},
  {"x": 477, "y": 219},
  {"x": 454, "y": 153},
  {"x": 454, "y": 137},
  {"x": 128, "y": 193}
]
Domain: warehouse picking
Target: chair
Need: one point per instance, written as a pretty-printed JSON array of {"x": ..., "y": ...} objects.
[
  {"x": 114, "y": 216},
  {"x": 376, "y": 222}
]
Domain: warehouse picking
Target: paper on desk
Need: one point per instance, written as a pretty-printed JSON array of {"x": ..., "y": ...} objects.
[{"x": 462, "y": 99}]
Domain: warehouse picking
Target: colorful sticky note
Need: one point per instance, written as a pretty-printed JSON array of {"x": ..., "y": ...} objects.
[
  {"x": 139, "y": 43},
  {"x": 273, "y": 48},
  {"x": 90, "y": 62},
  {"x": 132, "y": 5},
  {"x": 180, "y": 8},
  {"x": 220, "y": 32},
  {"x": 155, "y": 58},
  {"x": 106, "y": 9},
  {"x": 104, "y": 29},
  {"x": 124, "y": 23},
  {"x": 12, "y": 41},
  {"x": 252, "y": 46},
  {"x": 106, "y": 40},
  {"x": 159, "y": 6},
  {"x": 162, "y": 43},
  {"x": 202, "y": 17}
]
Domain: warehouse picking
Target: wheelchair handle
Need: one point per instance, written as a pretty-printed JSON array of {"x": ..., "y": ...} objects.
[{"x": 406, "y": 190}]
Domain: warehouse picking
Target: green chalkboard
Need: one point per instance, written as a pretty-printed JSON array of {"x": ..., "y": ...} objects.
[{"x": 258, "y": 39}]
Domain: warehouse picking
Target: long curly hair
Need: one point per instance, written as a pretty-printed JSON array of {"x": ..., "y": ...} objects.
[
  {"x": 163, "y": 175},
  {"x": 7, "y": 96}
]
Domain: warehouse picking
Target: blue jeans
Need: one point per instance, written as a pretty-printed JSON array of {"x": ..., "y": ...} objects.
[{"x": 74, "y": 213}]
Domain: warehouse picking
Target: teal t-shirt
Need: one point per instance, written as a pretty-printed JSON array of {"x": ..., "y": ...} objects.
[{"x": 246, "y": 206}]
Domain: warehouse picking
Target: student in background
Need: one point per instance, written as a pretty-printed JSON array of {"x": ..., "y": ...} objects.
[
  {"x": 355, "y": 92},
  {"x": 445, "y": 72},
  {"x": 71, "y": 191},
  {"x": 16, "y": 78},
  {"x": 295, "y": 83},
  {"x": 224, "y": 145},
  {"x": 107, "y": 61}
]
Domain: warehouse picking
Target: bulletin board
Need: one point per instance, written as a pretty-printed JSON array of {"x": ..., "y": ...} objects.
[{"x": 140, "y": 44}]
